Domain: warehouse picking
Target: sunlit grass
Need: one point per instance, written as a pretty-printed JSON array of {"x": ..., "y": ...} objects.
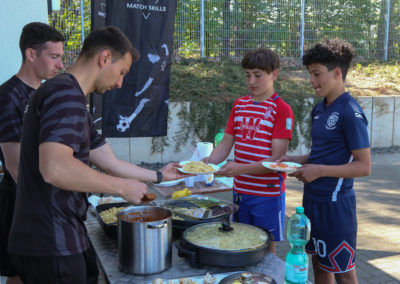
[{"x": 225, "y": 80}]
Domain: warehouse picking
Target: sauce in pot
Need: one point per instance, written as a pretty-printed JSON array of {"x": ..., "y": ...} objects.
[{"x": 141, "y": 217}]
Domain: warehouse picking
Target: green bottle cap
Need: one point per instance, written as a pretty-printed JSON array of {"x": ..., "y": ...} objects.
[{"x": 299, "y": 210}]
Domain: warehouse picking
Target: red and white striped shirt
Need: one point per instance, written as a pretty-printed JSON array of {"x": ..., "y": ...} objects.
[{"x": 254, "y": 125}]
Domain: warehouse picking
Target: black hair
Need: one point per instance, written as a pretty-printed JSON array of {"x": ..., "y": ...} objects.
[
  {"x": 331, "y": 53},
  {"x": 261, "y": 58},
  {"x": 35, "y": 35},
  {"x": 108, "y": 38}
]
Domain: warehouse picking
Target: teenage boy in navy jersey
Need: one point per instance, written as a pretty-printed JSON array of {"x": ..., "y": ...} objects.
[
  {"x": 41, "y": 48},
  {"x": 259, "y": 127},
  {"x": 48, "y": 241},
  {"x": 339, "y": 152}
]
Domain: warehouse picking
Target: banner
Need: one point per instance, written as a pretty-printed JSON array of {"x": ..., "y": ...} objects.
[
  {"x": 140, "y": 107},
  {"x": 98, "y": 19}
]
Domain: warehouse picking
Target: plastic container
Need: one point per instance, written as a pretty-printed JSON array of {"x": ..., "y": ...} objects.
[
  {"x": 298, "y": 234},
  {"x": 218, "y": 137},
  {"x": 189, "y": 181}
]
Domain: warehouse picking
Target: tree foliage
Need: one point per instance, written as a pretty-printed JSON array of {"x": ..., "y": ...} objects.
[{"x": 231, "y": 27}]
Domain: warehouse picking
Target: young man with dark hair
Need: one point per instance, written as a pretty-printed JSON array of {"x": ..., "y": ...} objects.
[
  {"x": 259, "y": 127},
  {"x": 41, "y": 48},
  {"x": 48, "y": 239},
  {"x": 339, "y": 152}
]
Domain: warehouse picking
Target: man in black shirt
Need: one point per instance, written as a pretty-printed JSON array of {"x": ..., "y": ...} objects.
[
  {"x": 42, "y": 47},
  {"x": 48, "y": 240}
]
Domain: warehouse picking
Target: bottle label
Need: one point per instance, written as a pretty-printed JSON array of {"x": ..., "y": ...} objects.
[
  {"x": 209, "y": 180},
  {"x": 296, "y": 273}
]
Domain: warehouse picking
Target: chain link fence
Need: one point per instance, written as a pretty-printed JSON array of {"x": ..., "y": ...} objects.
[
  {"x": 69, "y": 22},
  {"x": 213, "y": 29}
]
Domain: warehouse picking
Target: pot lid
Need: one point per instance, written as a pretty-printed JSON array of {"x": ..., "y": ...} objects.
[
  {"x": 226, "y": 236},
  {"x": 248, "y": 278},
  {"x": 199, "y": 207}
]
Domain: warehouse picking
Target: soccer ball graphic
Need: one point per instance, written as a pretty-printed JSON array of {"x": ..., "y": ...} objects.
[{"x": 123, "y": 123}]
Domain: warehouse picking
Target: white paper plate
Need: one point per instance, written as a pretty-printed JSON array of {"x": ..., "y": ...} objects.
[
  {"x": 290, "y": 166},
  {"x": 169, "y": 183},
  {"x": 215, "y": 167}
]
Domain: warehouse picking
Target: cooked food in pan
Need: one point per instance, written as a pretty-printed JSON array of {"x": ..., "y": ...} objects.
[{"x": 109, "y": 216}]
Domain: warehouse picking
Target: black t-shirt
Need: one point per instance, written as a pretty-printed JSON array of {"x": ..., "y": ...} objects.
[
  {"x": 14, "y": 95},
  {"x": 49, "y": 220}
]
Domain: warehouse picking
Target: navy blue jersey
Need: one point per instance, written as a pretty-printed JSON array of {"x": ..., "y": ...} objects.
[
  {"x": 49, "y": 220},
  {"x": 337, "y": 129}
]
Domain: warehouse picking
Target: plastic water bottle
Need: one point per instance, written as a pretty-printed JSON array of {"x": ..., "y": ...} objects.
[
  {"x": 298, "y": 234},
  {"x": 218, "y": 137}
]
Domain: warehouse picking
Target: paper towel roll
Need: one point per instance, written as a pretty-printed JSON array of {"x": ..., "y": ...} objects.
[{"x": 202, "y": 150}]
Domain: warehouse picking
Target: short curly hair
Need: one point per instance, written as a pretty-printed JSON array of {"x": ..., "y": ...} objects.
[{"x": 331, "y": 53}]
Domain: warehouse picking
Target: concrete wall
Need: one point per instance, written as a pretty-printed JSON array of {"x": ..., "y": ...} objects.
[
  {"x": 14, "y": 14},
  {"x": 382, "y": 113}
]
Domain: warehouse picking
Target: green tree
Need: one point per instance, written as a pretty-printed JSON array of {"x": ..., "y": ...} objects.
[{"x": 68, "y": 22}]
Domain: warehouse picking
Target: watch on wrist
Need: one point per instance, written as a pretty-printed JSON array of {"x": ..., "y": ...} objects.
[{"x": 159, "y": 176}]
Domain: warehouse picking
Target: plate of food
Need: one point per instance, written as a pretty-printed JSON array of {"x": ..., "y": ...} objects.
[
  {"x": 287, "y": 167},
  {"x": 199, "y": 167}
]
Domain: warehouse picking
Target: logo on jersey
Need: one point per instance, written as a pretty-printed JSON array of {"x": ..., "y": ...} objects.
[
  {"x": 332, "y": 120},
  {"x": 289, "y": 123},
  {"x": 268, "y": 113},
  {"x": 358, "y": 114},
  {"x": 249, "y": 127},
  {"x": 357, "y": 110},
  {"x": 26, "y": 108}
]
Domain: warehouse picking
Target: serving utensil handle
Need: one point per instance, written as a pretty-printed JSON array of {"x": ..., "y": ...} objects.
[{"x": 159, "y": 226}]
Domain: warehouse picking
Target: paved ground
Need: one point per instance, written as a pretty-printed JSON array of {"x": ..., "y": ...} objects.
[
  {"x": 378, "y": 212},
  {"x": 378, "y": 209}
]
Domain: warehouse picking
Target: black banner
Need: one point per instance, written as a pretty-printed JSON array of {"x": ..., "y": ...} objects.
[
  {"x": 98, "y": 19},
  {"x": 140, "y": 107}
]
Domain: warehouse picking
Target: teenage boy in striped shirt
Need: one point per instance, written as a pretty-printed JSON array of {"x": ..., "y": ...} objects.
[{"x": 259, "y": 128}]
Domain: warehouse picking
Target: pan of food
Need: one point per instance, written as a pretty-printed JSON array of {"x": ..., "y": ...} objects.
[
  {"x": 224, "y": 244},
  {"x": 197, "y": 209},
  {"x": 106, "y": 215}
]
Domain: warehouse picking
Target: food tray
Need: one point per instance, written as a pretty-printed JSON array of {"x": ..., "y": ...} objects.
[
  {"x": 109, "y": 229},
  {"x": 200, "y": 207},
  {"x": 197, "y": 279}
]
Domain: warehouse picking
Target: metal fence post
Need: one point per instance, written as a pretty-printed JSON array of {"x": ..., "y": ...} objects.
[
  {"x": 202, "y": 28},
  {"x": 82, "y": 23},
  {"x": 303, "y": 3},
  {"x": 385, "y": 57}
]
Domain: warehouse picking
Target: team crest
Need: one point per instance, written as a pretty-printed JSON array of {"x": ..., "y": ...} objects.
[
  {"x": 332, "y": 120},
  {"x": 268, "y": 113}
]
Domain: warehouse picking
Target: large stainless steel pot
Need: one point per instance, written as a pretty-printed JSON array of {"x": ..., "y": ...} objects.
[{"x": 144, "y": 240}]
